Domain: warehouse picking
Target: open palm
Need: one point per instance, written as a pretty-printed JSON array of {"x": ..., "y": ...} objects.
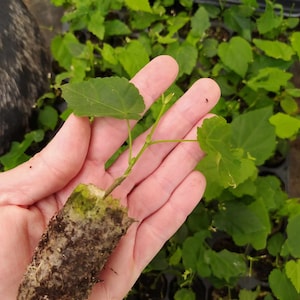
[{"x": 161, "y": 191}]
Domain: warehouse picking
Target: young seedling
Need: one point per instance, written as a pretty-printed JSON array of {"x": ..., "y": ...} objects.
[{"x": 80, "y": 238}]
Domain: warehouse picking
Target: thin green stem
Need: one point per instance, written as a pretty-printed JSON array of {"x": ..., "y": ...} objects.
[
  {"x": 171, "y": 141},
  {"x": 129, "y": 140},
  {"x": 148, "y": 141}
]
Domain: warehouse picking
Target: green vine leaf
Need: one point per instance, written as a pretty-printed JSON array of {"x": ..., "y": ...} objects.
[
  {"x": 139, "y": 5},
  {"x": 65, "y": 48},
  {"x": 295, "y": 42},
  {"x": 186, "y": 56},
  {"x": 199, "y": 23},
  {"x": 249, "y": 295},
  {"x": 270, "y": 79},
  {"x": 292, "y": 270},
  {"x": 253, "y": 132},
  {"x": 286, "y": 126},
  {"x": 236, "y": 55},
  {"x": 275, "y": 49},
  {"x": 226, "y": 265},
  {"x": 292, "y": 230},
  {"x": 224, "y": 164},
  {"x": 281, "y": 286},
  {"x": 247, "y": 224},
  {"x": 132, "y": 57},
  {"x": 184, "y": 294},
  {"x": 104, "y": 97},
  {"x": 270, "y": 20}
]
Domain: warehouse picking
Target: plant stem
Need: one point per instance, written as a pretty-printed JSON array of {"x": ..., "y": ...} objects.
[
  {"x": 129, "y": 141},
  {"x": 133, "y": 160},
  {"x": 171, "y": 141}
]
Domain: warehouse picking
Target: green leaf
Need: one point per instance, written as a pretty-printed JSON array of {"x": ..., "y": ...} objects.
[
  {"x": 16, "y": 154},
  {"x": 293, "y": 241},
  {"x": 281, "y": 286},
  {"x": 139, "y": 5},
  {"x": 253, "y": 132},
  {"x": 96, "y": 24},
  {"x": 104, "y": 97},
  {"x": 58, "y": 2},
  {"x": 249, "y": 295},
  {"x": 270, "y": 79},
  {"x": 193, "y": 250},
  {"x": 108, "y": 54},
  {"x": 226, "y": 265},
  {"x": 236, "y": 55},
  {"x": 247, "y": 224},
  {"x": 295, "y": 38},
  {"x": 292, "y": 270},
  {"x": 142, "y": 20},
  {"x": 184, "y": 294},
  {"x": 268, "y": 188},
  {"x": 177, "y": 22},
  {"x": 276, "y": 49},
  {"x": 199, "y": 22},
  {"x": 186, "y": 56},
  {"x": 133, "y": 57},
  {"x": 289, "y": 104},
  {"x": 214, "y": 134},
  {"x": 186, "y": 3},
  {"x": 223, "y": 164},
  {"x": 285, "y": 125},
  {"x": 275, "y": 244},
  {"x": 199, "y": 219},
  {"x": 237, "y": 18},
  {"x": 294, "y": 92},
  {"x": 64, "y": 48},
  {"x": 291, "y": 208},
  {"x": 270, "y": 19},
  {"x": 210, "y": 47},
  {"x": 48, "y": 117},
  {"x": 116, "y": 27},
  {"x": 175, "y": 258},
  {"x": 248, "y": 187}
]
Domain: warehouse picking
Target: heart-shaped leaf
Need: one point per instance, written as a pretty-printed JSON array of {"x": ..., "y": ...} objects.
[{"x": 104, "y": 97}]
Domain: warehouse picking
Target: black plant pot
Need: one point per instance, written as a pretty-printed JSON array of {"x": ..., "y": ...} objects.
[{"x": 291, "y": 7}]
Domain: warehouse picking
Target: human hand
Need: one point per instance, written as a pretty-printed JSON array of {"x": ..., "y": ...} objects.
[{"x": 161, "y": 191}]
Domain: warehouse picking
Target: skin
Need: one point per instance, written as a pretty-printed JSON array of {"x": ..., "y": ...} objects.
[{"x": 161, "y": 191}]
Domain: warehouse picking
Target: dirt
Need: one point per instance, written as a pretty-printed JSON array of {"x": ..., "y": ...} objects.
[{"x": 75, "y": 247}]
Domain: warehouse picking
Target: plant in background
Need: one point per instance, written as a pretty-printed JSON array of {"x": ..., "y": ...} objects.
[{"x": 242, "y": 238}]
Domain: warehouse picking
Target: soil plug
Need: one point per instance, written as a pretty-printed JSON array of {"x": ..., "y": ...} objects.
[{"x": 75, "y": 246}]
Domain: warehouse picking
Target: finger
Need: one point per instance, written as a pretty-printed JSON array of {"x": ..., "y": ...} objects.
[
  {"x": 155, "y": 230},
  {"x": 109, "y": 134},
  {"x": 49, "y": 170},
  {"x": 176, "y": 123}
]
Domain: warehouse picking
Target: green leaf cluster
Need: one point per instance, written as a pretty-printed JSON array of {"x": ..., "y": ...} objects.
[{"x": 47, "y": 120}]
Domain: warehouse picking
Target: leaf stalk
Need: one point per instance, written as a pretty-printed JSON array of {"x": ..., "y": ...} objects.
[{"x": 148, "y": 141}]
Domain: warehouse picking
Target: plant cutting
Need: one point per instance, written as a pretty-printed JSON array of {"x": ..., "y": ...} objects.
[
  {"x": 83, "y": 234},
  {"x": 80, "y": 238}
]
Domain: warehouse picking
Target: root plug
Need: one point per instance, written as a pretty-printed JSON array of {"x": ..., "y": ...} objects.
[{"x": 75, "y": 247}]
